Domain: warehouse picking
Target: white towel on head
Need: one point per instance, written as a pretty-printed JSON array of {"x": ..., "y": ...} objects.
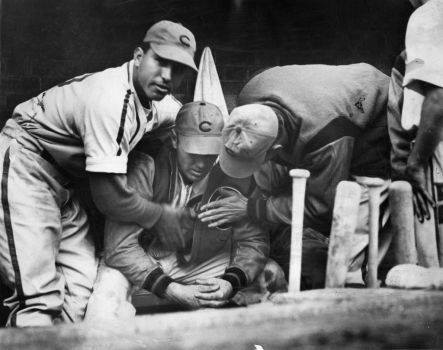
[{"x": 207, "y": 86}]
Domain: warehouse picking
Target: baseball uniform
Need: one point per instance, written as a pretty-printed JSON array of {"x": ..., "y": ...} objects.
[{"x": 87, "y": 124}]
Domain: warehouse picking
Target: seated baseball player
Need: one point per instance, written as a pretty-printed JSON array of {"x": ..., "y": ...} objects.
[{"x": 207, "y": 266}]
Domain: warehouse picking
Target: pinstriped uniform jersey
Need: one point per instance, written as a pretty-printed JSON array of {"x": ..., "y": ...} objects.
[{"x": 91, "y": 122}]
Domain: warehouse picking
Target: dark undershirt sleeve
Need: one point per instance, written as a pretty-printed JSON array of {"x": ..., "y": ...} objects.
[{"x": 117, "y": 201}]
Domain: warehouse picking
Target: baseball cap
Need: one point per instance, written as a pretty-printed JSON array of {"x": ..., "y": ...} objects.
[
  {"x": 424, "y": 58},
  {"x": 250, "y": 132},
  {"x": 173, "y": 42},
  {"x": 199, "y": 126}
]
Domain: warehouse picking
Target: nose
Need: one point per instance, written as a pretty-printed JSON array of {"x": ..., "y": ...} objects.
[
  {"x": 200, "y": 163},
  {"x": 167, "y": 73}
]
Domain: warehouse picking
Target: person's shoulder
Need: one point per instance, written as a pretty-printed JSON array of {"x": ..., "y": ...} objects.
[{"x": 108, "y": 90}]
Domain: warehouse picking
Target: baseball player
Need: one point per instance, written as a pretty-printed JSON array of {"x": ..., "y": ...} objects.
[
  {"x": 85, "y": 126},
  {"x": 211, "y": 264},
  {"x": 330, "y": 120},
  {"x": 415, "y": 118}
]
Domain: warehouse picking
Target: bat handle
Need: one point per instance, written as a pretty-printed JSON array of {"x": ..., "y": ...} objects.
[
  {"x": 374, "y": 186},
  {"x": 299, "y": 177}
]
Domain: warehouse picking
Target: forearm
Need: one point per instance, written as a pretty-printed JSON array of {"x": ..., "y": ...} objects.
[
  {"x": 430, "y": 130},
  {"x": 116, "y": 200}
]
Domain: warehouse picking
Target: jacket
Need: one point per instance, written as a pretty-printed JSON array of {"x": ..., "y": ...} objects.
[
  {"x": 332, "y": 122},
  {"x": 155, "y": 181}
]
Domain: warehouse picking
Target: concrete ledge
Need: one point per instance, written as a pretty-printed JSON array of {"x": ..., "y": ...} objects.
[{"x": 329, "y": 319}]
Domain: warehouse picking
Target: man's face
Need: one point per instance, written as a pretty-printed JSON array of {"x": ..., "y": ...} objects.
[
  {"x": 193, "y": 167},
  {"x": 155, "y": 76}
]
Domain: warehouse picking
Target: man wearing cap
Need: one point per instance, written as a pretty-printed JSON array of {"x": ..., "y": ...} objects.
[
  {"x": 84, "y": 127},
  {"x": 330, "y": 120},
  {"x": 211, "y": 264},
  {"x": 415, "y": 118}
]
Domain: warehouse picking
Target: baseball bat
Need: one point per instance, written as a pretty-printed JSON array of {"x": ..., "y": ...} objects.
[
  {"x": 373, "y": 185},
  {"x": 344, "y": 222},
  {"x": 299, "y": 177},
  {"x": 402, "y": 222},
  {"x": 425, "y": 232}
]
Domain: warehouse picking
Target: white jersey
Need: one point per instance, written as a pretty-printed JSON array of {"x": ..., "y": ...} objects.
[{"x": 93, "y": 121}]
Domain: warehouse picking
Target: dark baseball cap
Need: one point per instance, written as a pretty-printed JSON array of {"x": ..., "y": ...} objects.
[
  {"x": 199, "y": 127},
  {"x": 250, "y": 132},
  {"x": 173, "y": 42}
]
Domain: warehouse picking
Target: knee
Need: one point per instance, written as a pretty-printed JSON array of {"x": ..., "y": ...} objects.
[{"x": 273, "y": 278}]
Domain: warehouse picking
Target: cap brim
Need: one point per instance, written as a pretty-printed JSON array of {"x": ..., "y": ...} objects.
[
  {"x": 197, "y": 144},
  {"x": 237, "y": 167},
  {"x": 174, "y": 53}
]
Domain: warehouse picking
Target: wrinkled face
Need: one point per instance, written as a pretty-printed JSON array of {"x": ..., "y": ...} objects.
[
  {"x": 193, "y": 167},
  {"x": 154, "y": 76}
]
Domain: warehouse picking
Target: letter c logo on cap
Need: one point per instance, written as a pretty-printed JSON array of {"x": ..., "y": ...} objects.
[
  {"x": 184, "y": 39},
  {"x": 205, "y": 126}
]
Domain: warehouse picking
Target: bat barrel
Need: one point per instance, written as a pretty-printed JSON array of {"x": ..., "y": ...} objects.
[
  {"x": 374, "y": 186},
  {"x": 344, "y": 222},
  {"x": 299, "y": 177},
  {"x": 402, "y": 221}
]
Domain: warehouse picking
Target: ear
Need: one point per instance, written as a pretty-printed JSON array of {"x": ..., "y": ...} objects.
[
  {"x": 273, "y": 151},
  {"x": 174, "y": 139},
  {"x": 138, "y": 55}
]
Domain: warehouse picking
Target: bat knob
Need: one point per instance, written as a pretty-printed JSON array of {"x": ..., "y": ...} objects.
[
  {"x": 371, "y": 181},
  {"x": 301, "y": 173}
]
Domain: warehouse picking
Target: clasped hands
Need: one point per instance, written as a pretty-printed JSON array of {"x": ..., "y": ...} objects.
[{"x": 211, "y": 292}]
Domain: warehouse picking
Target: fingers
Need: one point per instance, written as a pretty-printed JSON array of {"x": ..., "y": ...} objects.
[
  {"x": 219, "y": 222},
  {"x": 211, "y": 205},
  {"x": 428, "y": 198},
  {"x": 208, "y": 213},
  {"x": 213, "y": 303},
  {"x": 225, "y": 192},
  {"x": 208, "y": 288},
  {"x": 417, "y": 208},
  {"x": 212, "y": 215},
  {"x": 423, "y": 206},
  {"x": 207, "y": 281},
  {"x": 218, "y": 295}
]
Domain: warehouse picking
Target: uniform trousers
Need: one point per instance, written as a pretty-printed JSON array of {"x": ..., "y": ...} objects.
[{"x": 47, "y": 254}]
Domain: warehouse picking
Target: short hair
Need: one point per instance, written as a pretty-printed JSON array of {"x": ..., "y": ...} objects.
[{"x": 145, "y": 46}]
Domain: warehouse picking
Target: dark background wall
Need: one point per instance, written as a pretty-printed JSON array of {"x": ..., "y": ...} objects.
[{"x": 44, "y": 42}]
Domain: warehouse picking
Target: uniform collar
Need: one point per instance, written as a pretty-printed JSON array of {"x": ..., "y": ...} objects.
[{"x": 129, "y": 75}]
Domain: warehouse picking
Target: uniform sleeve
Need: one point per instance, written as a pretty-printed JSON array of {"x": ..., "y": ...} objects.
[
  {"x": 106, "y": 131},
  {"x": 122, "y": 248},
  {"x": 250, "y": 251},
  {"x": 328, "y": 166}
]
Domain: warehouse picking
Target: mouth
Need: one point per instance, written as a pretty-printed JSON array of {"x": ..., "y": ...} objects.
[
  {"x": 163, "y": 89},
  {"x": 230, "y": 152},
  {"x": 196, "y": 173}
]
